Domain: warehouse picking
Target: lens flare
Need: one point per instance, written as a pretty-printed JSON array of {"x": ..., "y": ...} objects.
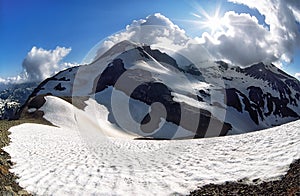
[{"x": 213, "y": 22}]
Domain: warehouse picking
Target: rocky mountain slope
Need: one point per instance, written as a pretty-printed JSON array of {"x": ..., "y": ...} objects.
[
  {"x": 12, "y": 97},
  {"x": 149, "y": 94}
]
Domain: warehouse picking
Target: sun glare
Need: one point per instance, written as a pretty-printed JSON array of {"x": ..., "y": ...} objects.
[{"x": 212, "y": 22}]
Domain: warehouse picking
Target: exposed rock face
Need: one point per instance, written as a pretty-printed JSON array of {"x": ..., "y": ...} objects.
[
  {"x": 191, "y": 97},
  {"x": 255, "y": 104},
  {"x": 156, "y": 92},
  {"x": 261, "y": 104},
  {"x": 59, "y": 87}
]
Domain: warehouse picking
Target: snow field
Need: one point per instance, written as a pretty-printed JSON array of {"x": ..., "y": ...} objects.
[{"x": 64, "y": 160}]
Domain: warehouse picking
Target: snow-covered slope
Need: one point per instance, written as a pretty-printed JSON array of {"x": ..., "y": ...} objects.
[
  {"x": 146, "y": 92},
  {"x": 84, "y": 155},
  {"x": 260, "y": 96}
]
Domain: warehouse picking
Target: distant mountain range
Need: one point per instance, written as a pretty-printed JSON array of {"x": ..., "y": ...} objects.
[
  {"x": 162, "y": 98},
  {"x": 13, "y": 96}
]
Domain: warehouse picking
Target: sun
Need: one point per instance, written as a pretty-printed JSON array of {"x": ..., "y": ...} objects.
[{"x": 212, "y": 22}]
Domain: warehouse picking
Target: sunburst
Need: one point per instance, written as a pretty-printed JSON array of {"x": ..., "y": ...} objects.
[{"x": 212, "y": 22}]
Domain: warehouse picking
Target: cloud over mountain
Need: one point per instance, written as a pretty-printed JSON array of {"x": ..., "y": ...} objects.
[
  {"x": 156, "y": 29},
  {"x": 242, "y": 40},
  {"x": 160, "y": 32},
  {"x": 40, "y": 64}
]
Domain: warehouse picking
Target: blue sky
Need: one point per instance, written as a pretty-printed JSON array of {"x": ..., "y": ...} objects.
[{"x": 81, "y": 24}]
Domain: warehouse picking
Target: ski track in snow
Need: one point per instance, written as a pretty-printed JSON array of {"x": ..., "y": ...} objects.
[{"x": 63, "y": 161}]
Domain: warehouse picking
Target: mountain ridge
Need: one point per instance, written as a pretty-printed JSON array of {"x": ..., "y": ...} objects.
[{"x": 260, "y": 95}]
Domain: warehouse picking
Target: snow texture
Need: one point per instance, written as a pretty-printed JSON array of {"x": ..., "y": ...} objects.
[{"x": 78, "y": 157}]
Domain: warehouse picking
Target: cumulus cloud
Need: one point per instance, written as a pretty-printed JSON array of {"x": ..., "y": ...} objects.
[
  {"x": 159, "y": 32},
  {"x": 40, "y": 64},
  {"x": 297, "y": 75},
  {"x": 283, "y": 17},
  {"x": 241, "y": 40},
  {"x": 244, "y": 41},
  {"x": 156, "y": 29}
]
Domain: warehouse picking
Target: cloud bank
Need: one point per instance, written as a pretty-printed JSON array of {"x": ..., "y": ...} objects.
[
  {"x": 244, "y": 41},
  {"x": 40, "y": 64},
  {"x": 283, "y": 17},
  {"x": 241, "y": 40}
]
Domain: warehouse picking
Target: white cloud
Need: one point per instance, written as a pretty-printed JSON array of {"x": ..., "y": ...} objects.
[
  {"x": 159, "y": 32},
  {"x": 40, "y": 64},
  {"x": 156, "y": 29},
  {"x": 297, "y": 75},
  {"x": 244, "y": 41},
  {"x": 281, "y": 16},
  {"x": 2, "y": 80},
  {"x": 15, "y": 79},
  {"x": 241, "y": 40}
]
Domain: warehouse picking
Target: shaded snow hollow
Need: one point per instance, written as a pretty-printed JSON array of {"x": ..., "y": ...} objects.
[{"x": 78, "y": 158}]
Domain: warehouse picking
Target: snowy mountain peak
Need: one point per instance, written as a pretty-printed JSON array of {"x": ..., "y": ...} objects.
[
  {"x": 118, "y": 49},
  {"x": 148, "y": 93}
]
